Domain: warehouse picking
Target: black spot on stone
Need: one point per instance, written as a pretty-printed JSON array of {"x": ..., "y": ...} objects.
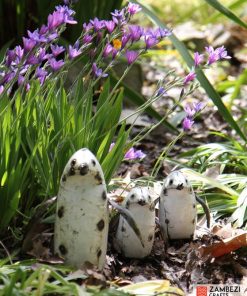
[
  {"x": 180, "y": 186},
  {"x": 167, "y": 221},
  {"x": 194, "y": 205},
  {"x": 165, "y": 191},
  {"x": 72, "y": 171},
  {"x": 75, "y": 232},
  {"x": 132, "y": 196},
  {"x": 98, "y": 178},
  {"x": 93, "y": 162},
  {"x": 63, "y": 250},
  {"x": 104, "y": 195},
  {"x": 64, "y": 178},
  {"x": 83, "y": 169},
  {"x": 101, "y": 225},
  {"x": 127, "y": 204},
  {"x": 60, "y": 212},
  {"x": 73, "y": 162},
  {"x": 141, "y": 202},
  {"x": 149, "y": 198},
  {"x": 123, "y": 229},
  {"x": 193, "y": 221},
  {"x": 99, "y": 253},
  {"x": 150, "y": 237},
  {"x": 171, "y": 182}
]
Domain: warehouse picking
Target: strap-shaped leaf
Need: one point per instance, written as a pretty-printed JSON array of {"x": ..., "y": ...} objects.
[
  {"x": 213, "y": 95},
  {"x": 227, "y": 12}
]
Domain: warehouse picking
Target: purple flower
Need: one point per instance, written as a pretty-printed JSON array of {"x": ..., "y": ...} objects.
[
  {"x": 1, "y": 89},
  {"x": 222, "y": 53},
  {"x": 111, "y": 146},
  {"x": 43, "y": 30},
  {"x": 21, "y": 80},
  {"x": 41, "y": 74},
  {"x": 192, "y": 110},
  {"x": 87, "y": 27},
  {"x": 216, "y": 54},
  {"x": 114, "y": 53},
  {"x": 7, "y": 77},
  {"x": 55, "y": 20},
  {"x": 67, "y": 14},
  {"x": 19, "y": 51},
  {"x": 191, "y": 76},
  {"x": 98, "y": 72},
  {"x": 56, "y": 65},
  {"x": 10, "y": 57},
  {"x": 133, "y": 8},
  {"x": 42, "y": 55},
  {"x": 56, "y": 49},
  {"x": 161, "y": 91},
  {"x": 107, "y": 50},
  {"x": 139, "y": 154},
  {"x": 110, "y": 26},
  {"x": 87, "y": 39},
  {"x": 187, "y": 123},
  {"x": 97, "y": 24},
  {"x": 212, "y": 55},
  {"x": 118, "y": 16},
  {"x": 131, "y": 56},
  {"x": 136, "y": 32},
  {"x": 162, "y": 33},
  {"x": 189, "y": 111},
  {"x": 198, "y": 58},
  {"x": 125, "y": 39},
  {"x": 132, "y": 154},
  {"x": 74, "y": 51},
  {"x": 198, "y": 106},
  {"x": 36, "y": 36},
  {"x": 150, "y": 41},
  {"x": 32, "y": 60},
  {"x": 28, "y": 44},
  {"x": 27, "y": 87}
]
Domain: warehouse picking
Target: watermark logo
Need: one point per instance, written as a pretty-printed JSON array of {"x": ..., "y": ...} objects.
[
  {"x": 221, "y": 290},
  {"x": 201, "y": 291}
]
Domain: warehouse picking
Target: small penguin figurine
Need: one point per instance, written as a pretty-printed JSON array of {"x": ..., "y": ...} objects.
[
  {"x": 141, "y": 206},
  {"x": 177, "y": 208},
  {"x": 82, "y": 218}
]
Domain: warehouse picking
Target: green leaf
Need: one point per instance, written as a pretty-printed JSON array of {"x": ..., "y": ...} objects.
[
  {"x": 213, "y": 95},
  {"x": 227, "y": 12}
]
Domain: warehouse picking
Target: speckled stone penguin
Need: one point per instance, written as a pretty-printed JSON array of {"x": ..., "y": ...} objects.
[
  {"x": 139, "y": 203},
  {"x": 82, "y": 218},
  {"x": 177, "y": 208}
]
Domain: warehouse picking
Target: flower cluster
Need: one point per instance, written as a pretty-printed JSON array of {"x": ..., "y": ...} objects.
[
  {"x": 40, "y": 56},
  {"x": 212, "y": 56},
  {"x": 131, "y": 154},
  {"x": 120, "y": 37},
  {"x": 38, "y": 50},
  {"x": 191, "y": 112}
]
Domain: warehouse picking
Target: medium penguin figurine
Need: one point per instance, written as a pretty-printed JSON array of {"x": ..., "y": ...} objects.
[
  {"x": 177, "y": 208},
  {"x": 82, "y": 218},
  {"x": 142, "y": 208}
]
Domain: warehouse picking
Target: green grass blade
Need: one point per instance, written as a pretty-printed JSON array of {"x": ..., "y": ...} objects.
[
  {"x": 213, "y": 95},
  {"x": 227, "y": 12}
]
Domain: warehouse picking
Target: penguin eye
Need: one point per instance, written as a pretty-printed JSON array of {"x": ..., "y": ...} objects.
[{"x": 132, "y": 196}]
